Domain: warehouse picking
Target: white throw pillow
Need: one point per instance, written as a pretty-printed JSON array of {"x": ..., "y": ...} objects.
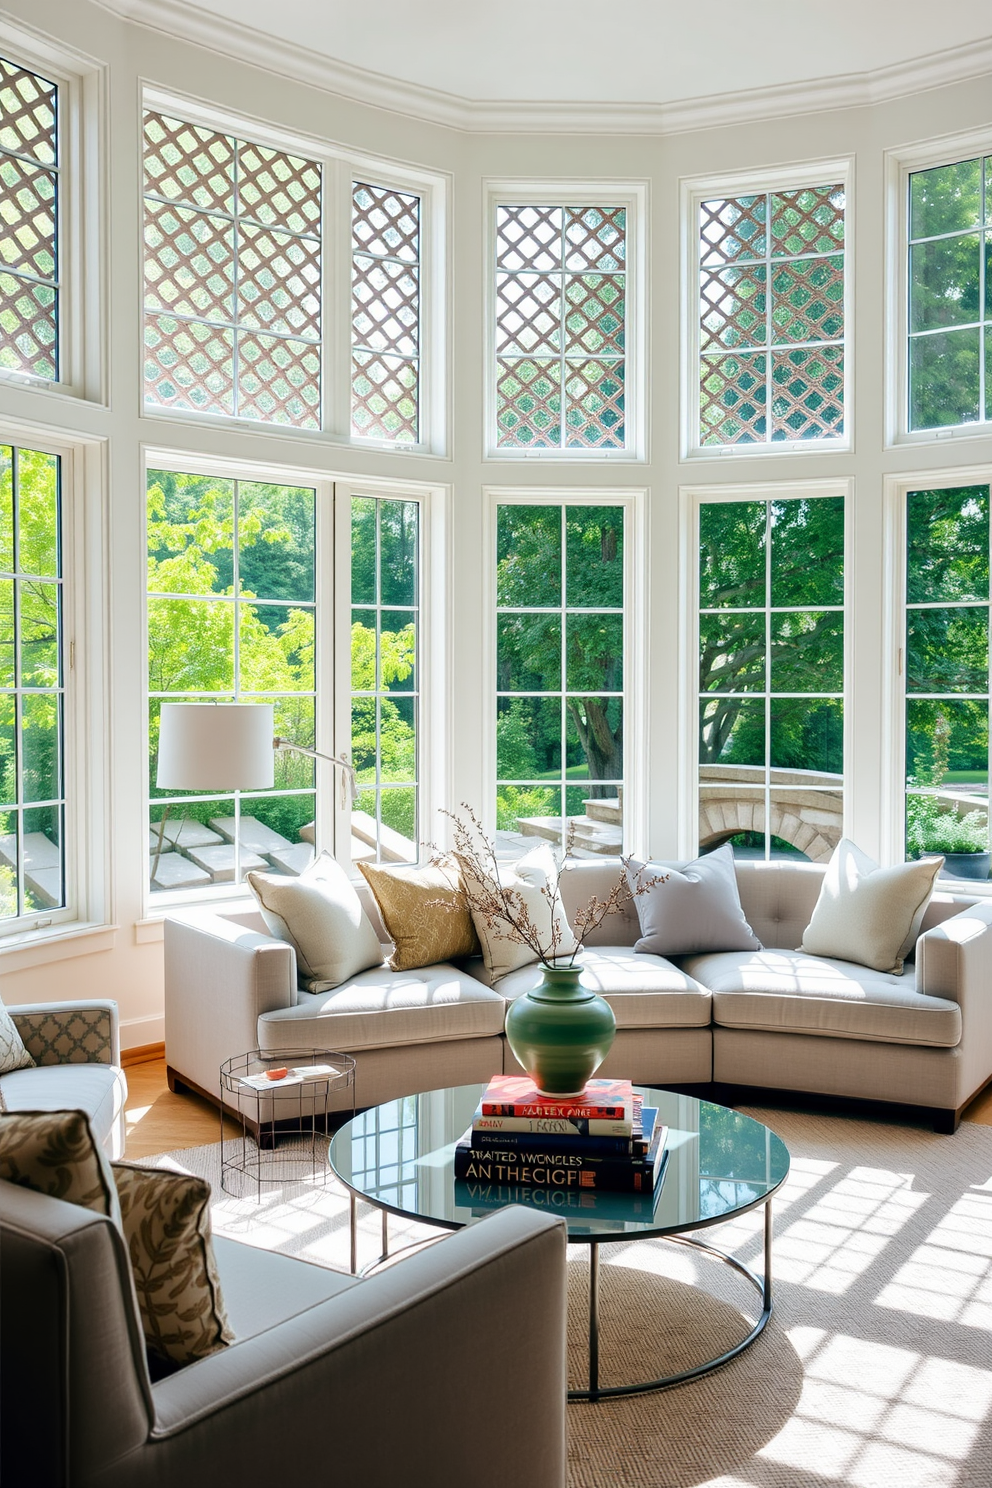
[
  {"x": 321, "y": 917},
  {"x": 692, "y": 909},
  {"x": 534, "y": 877},
  {"x": 869, "y": 914},
  {"x": 13, "y": 1055}
]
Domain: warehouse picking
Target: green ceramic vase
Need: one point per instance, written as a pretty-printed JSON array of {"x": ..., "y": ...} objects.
[{"x": 560, "y": 1032}]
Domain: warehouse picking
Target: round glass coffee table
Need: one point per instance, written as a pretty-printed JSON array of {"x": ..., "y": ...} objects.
[{"x": 399, "y": 1157}]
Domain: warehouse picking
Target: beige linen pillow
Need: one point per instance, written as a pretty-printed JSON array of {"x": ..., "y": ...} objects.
[
  {"x": 56, "y": 1153},
  {"x": 425, "y": 914},
  {"x": 869, "y": 914},
  {"x": 321, "y": 916},
  {"x": 533, "y": 877},
  {"x": 165, "y": 1217},
  {"x": 13, "y": 1054}
]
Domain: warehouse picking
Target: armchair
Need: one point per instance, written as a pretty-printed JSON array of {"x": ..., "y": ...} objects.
[
  {"x": 448, "y": 1367},
  {"x": 77, "y": 1052}
]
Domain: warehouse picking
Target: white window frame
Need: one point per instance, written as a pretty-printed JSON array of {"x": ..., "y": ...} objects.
[
  {"x": 333, "y": 681},
  {"x": 895, "y": 493},
  {"x": 83, "y": 226},
  {"x": 340, "y": 168},
  {"x": 691, "y": 499},
  {"x": 54, "y": 934},
  {"x": 697, "y": 189},
  {"x": 636, "y": 766},
  {"x": 563, "y": 192},
  {"x": 900, "y": 164}
]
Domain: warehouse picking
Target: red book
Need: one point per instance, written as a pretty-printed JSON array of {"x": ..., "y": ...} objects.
[{"x": 517, "y": 1095}]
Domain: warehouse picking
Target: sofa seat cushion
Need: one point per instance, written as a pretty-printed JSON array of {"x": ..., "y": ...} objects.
[
  {"x": 381, "y": 1009},
  {"x": 98, "y": 1089},
  {"x": 644, "y": 991},
  {"x": 263, "y": 1289},
  {"x": 779, "y": 991}
]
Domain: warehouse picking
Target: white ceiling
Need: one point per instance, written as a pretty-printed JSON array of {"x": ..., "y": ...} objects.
[{"x": 653, "y": 52}]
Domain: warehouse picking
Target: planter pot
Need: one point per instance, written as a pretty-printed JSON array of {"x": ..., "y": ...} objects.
[
  {"x": 966, "y": 865},
  {"x": 561, "y": 1031}
]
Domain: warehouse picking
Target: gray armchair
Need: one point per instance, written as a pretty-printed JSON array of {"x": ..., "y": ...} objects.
[
  {"x": 77, "y": 1052},
  {"x": 446, "y": 1369}
]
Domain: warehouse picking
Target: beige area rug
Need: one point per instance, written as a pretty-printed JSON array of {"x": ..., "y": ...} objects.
[{"x": 875, "y": 1371}]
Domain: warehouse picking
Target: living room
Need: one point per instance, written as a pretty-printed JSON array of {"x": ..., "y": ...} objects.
[{"x": 597, "y": 435}]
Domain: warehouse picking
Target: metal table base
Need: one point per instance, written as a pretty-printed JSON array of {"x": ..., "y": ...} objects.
[{"x": 762, "y": 1284}]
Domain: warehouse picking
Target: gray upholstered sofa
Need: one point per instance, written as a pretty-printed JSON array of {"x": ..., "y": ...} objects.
[
  {"x": 331, "y": 1379},
  {"x": 77, "y": 1053},
  {"x": 774, "y": 1018}
]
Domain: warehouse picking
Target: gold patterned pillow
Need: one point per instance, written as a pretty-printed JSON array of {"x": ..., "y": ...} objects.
[
  {"x": 166, "y": 1223},
  {"x": 56, "y": 1153},
  {"x": 425, "y": 914}
]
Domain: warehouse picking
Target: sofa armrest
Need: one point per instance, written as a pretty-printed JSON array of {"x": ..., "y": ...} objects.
[
  {"x": 448, "y": 1366},
  {"x": 219, "y": 977},
  {"x": 954, "y": 959},
  {"x": 69, "y": 1032}
]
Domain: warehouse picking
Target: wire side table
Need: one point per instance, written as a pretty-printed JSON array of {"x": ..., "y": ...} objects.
[{"x": 284, "y": 1123}]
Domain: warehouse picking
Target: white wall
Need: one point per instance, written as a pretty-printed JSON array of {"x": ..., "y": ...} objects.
[{"x": 127, "y": 964}]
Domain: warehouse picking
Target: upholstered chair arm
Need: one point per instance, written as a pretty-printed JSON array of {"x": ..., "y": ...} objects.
[
  {"x": 69, "y": 1032},
  {"x": 954, "y": 960},
  {"x": 447, "y": 1367}
]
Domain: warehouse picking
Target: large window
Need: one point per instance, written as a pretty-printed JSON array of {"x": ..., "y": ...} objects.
[
  {"x": 29, "y": 192},
  {"x": 232, "y": 617},
  {"x": 32, "y": 794},
  {"x": 232, "y": 276},
  {"x": 561, "y": 327},
  {"x": 771, "y": 676},
  {"x": 560, "y": 675},
  {"x": 950, "y": 294},
  {"x": 385, "y": 677},
  {"x": 385, "y": 337},
  {"x": 947, "y": 676},
  {"x": 771, "y": 316}
]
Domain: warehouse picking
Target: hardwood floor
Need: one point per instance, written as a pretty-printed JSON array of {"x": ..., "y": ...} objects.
[{"x": 158, "y": 1121}]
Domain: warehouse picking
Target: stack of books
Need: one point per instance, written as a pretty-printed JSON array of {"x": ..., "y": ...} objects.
[{"x": 601, "y": 1140}]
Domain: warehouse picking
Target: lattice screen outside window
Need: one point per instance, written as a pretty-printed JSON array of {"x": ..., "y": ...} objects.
[
  {"x": 29, "y": 191},
  {"x": 385, "y": 324},
  {"x": 560, "y": 300},
  {"x": 771, "y": 306},
  {"x": 232, "y": 276}
]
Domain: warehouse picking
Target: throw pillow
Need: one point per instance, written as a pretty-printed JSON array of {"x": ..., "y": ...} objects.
[
  {"x": 166, "y": 1221},
  {"x": 320, "y": 915},
  {"x": 692, "y": 909},
  {"x": 13, "y": 1054},
  {"x": 56, "y": 1153},
  {"x": 425, "y": 914},
  {"x": 869, "y": 914},
  {"x": 534, "y": 878}
]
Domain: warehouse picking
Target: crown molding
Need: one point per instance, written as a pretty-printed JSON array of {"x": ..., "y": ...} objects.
[{"x": 177, "y": 18}]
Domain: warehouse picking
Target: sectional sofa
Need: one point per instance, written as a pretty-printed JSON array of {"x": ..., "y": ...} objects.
[{"x": 775, "y": 1018}]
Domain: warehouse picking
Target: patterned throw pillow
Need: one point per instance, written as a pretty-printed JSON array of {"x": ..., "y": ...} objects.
[
  {"x": 56, "y": 1153},
  {"x": 13, "y": 1054},
  {"x": 166, "y": 1223},
  {"x": 425, "y": 914}
]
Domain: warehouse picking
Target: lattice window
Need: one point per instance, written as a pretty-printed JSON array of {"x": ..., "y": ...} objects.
[
  {"x": 232, "y": 276},
  {"x": 950, "y": 295},
  {"x": 771, "y": 316},
  {"x": 29, "y": 190},
  {"x": 385, "y": 324},
  {"x": 560, "y": 327}
]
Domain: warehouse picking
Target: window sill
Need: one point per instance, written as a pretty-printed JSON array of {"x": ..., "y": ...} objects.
[{"x": 19, "y": 952}]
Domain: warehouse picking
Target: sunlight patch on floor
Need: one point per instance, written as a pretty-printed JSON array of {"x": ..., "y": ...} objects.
[
  {"x": 950, "y": 1275},
  {"x": 842, "y": 1234},
  {"x": 871, "y": 1413}
]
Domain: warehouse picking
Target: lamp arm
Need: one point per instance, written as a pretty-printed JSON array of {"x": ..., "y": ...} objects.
[{"x": 341, "y": 760}]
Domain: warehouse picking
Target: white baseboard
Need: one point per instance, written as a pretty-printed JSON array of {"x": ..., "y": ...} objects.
[{"x": 138, "y": 1031}]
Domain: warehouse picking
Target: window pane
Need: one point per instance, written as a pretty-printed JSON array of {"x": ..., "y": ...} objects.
[
  {"x": 31, "y": 695},
  {"x": 594, "y": 537},
  {"x": 947, "y": 555},
  {"x": 945, "y": 379},
  {"x": 943, "y": 282},
  {"x": 809, "y": 552},
  {"x": 232, "y": 276},
  {"x": 594, "y": 652},
  {"x": 528, "y": 545},
  {"x": 385, "y": 331},
  {"x": 190, "y": 534},
  {"x": 805, "y": 736},
  {"x": 947, "y": 649},
  {"x": 29, "y": 208},
  {"x": 399, "y": 534},
  {"x": 528, "y": 653},
  {"x": 946, "y": 199},
  {"x": 732, "y": 537},
  {"x": 807, "y": 651},
  {"x": 560, "y": 327},
  {"x": 276, "y": 526},
  {"x": 760, "y": 288},
  {"x": 732, "y": 653},
  {"x": 594, "y": 739}
]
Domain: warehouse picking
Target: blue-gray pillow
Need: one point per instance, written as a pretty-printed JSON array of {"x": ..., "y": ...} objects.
[{"x": 693, "y": 909}]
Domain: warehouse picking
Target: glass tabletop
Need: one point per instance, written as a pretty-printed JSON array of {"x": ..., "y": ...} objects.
[{"x": 399, "y": 1156}]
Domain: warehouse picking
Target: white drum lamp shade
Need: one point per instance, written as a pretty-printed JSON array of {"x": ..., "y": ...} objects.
[{"x": 215, "y": 746}]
